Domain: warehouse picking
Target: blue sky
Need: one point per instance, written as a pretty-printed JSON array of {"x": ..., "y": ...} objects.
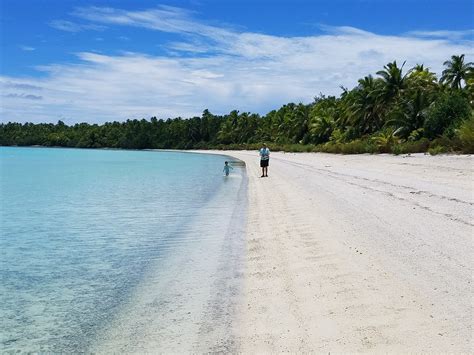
[{"x": 99, "y": 61}]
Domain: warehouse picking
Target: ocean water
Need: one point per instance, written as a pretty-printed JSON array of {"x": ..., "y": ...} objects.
[{"x": 117, "y": 250}]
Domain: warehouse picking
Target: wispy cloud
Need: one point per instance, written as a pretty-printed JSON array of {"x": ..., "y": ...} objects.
[
  {"x": 69, "y": 26},
  {"x": 23, "y": 96},
  {"x": 19, "y": 85},
  {"x": 162, "y": 18},
  {"x": 444, "y": 34},
  {"x": 222, "y": 69},
  {"x": 26, "y": 48}
]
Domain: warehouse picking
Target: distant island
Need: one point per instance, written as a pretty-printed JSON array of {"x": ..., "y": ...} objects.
[{"x": 394, "y": 112}]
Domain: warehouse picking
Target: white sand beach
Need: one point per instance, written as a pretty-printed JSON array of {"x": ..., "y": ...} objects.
[
  {"x": 358, "y": 254},
  {"x": 342, "y": 254}
]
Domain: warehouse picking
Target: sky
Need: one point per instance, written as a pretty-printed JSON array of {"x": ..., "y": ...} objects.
[{"x": 97, "y": 61}]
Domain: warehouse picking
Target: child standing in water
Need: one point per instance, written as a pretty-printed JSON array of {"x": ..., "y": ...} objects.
[{"x": 227, "y": 168}]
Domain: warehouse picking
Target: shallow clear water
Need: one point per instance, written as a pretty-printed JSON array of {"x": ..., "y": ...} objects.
[{"x": 82, "y": 230}]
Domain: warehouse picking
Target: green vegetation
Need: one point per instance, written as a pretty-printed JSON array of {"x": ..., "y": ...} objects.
[{"x": 394, "y": 112}]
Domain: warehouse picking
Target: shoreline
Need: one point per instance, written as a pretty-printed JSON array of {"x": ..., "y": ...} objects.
[
  {"x": 182, "y": 284},
  {"x": 358, "y": 254},
  {"x": 216, "y": 151},
  {"x": 190, "y": 305},
  {"x": 342, "y": 253}
]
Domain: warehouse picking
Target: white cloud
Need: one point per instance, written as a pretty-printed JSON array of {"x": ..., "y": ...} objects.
[
  {"x": 163, "y": 18},
  {"x": 223, "y": 69},
  {"x": 451, "y": 35},
  {"x": 27, "y": 48},
  {"x": 69, "y": 26},
  {"x": 20, "y": 85}
]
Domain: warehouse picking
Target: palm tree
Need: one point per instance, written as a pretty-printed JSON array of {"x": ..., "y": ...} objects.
[
  {"x": 365, "y": 110},
  {"x": 322, "y": 119},
  {"x": 410, "y": 115},
  {"x": 421, "y": 89},
  {"x": 393, "y": 80},
  {"x": 470, "y": 88},
  {"x": 456, "y": 71},
  {"x": 421, "y": 78},
  {"x": 321, "y": 128},
  {"x": 299, "y": 123}
]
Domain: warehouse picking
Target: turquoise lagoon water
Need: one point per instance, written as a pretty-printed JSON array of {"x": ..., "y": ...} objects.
[{"x": 85, "y": 232}]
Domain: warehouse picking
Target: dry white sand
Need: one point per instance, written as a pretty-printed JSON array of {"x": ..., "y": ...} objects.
[{"x": 358, "y": 254}]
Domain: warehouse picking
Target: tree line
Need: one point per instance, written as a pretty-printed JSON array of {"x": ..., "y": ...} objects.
[{"x": 396, "y": 111}]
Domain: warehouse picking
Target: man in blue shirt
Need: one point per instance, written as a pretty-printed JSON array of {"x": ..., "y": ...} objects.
[{"x": 264, "y": 159}]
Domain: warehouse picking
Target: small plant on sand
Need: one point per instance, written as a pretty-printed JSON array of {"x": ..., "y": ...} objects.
[
  {"x": 418, "y": 146},
  {"x": 415, "y": 135},
  {"x": 439, "y": 149},
  {"x": 465, "y": 133},
  {"x": 384, "y": 140}
]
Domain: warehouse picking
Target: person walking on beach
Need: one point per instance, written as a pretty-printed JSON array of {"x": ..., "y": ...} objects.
[
  {"x": 264, "y": 159},
  {"x": 227, "y": 168}
]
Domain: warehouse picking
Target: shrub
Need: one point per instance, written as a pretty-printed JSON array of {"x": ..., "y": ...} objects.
[
  {"x": 298, "y": 148},
  {"x": 416, "y": 134},
  {"x": 337, "y": 136},
  {"x": 437, "y": 150},
  {"x": 354, "y": 147},
  {"x": 328, "y": 148},
  {"x": 358, "y": 146},
  {"x": 385, "y": 140},
  {"x": 419, "y": 146},
  {"x": 446, "y": 114},
  {"x": 396, "y": 149},
  {"x": 465, "y": 133}
]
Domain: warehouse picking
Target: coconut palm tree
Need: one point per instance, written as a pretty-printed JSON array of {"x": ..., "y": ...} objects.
[
  {"x": 456, "y": 71},
  {"x": 421, "y": 78},
  {"x": 393, "y": 81},
  {"x": 321, "y": 129},
  {"x": 365, "y": 107},
  {"x": 410, "y": 114}
]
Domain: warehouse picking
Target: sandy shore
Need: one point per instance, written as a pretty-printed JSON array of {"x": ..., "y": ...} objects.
[{"x": 358, "y": 254}]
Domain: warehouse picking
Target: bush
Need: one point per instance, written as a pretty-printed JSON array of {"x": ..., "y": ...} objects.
[
  {"x": 446, "y": 114},
  {"x": 416, "y": 134},
  {"x": 465, "y": 133},
  {"x": 355, "y": 147},
  {"x": 396, "y": 149},
  {"x": 384, "y": 140},
  {"x": 408, "y": 147},
  {"x": 358, "y": 146},
  {"x": 437, "y": 150},
  {"x": 334, "y": 148},
  {"x": 337, "y": 136}
]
